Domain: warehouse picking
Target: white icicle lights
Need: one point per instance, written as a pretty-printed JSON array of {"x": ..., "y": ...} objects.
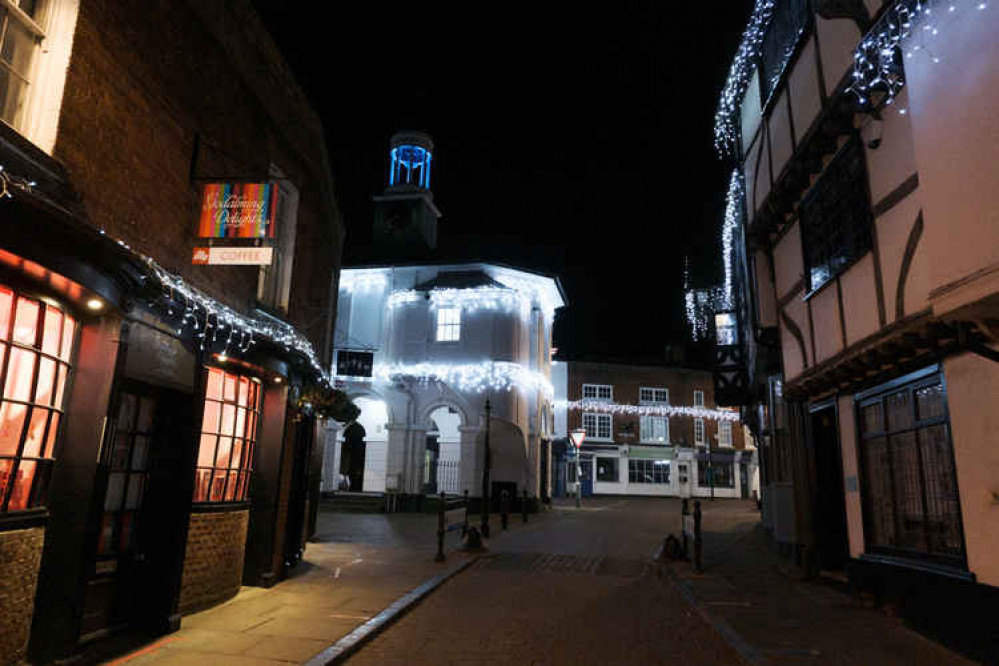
[
  {"x": 470, "y": 377},
  {"x": 649, "y": 410}
]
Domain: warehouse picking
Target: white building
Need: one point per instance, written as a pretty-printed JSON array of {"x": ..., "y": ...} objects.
[{"x": 422, "y": 347}]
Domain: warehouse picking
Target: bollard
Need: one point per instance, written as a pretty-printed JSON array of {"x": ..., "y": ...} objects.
[
  {"x": 684, "y": 512},
  {"x": 523, "y": 507},
  {"x": 504, "y": 509},
  {"x": 464, "y": 527},
  {"x": 440, "y": 531},
  {"x": 697, "y": 537}
]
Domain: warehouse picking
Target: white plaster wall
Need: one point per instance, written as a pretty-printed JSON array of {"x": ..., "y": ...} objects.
[
  {"x": 825, "y": 316},
  {"x": 893, "y": 229},
  {"x": 794, "y": 363},
  {"x": 851, "y": 476},
  {"x": 788, "y": 262},
  {"x": 803, "y": 83},
  {"x": 837, "y": 39},
  {"x": 972, "y": 395},
  {"x": 781, "y": 142},
  {"x": 860, "y": 303},
  {"x": 952, "y": 107}
]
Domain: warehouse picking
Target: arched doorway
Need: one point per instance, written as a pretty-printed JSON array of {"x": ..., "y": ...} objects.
[
  {"x": 442, "y": 461},
  {"x": 352, "y": 456}
]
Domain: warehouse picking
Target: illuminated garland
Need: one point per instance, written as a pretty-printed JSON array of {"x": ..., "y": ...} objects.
[
  {"x": 909, "y": 23},
  {"x": 733, "y": 214},
  {"x": 471, "y": 299},
  {"x": 649, "y": 410},
  {"x": 8, "y": 180},
  {"x": 470, "y": 377},
  {"x": 739, "y": 75},
  {"x": 359, "y": 281}
]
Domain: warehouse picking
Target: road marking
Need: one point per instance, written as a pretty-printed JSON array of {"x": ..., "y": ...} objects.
[{"x": 336, "y": 574}]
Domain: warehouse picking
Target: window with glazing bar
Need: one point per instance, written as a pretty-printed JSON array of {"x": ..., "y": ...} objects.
[
  {"x": 448, "y": 324},
  {"x": 228, "y": 437},
  {"x": 36, "y": 341},
  {"x": 597, "y": 426}
]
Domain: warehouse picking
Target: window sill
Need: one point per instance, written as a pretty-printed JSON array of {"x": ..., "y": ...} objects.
[
  {"x": 924, "y": 566},
  {"x": 218, "y": 507},
  {"x": 833, "y": 278},
  {"x": 20, "y": 520}
]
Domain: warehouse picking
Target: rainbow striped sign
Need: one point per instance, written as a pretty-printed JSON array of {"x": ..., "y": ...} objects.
[{"x": 238, "y": 210}]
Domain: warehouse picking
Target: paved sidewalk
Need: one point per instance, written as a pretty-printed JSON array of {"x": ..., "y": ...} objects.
[
  {"x": 360, "y": 564},
  {"x": 773, "y": 619}
]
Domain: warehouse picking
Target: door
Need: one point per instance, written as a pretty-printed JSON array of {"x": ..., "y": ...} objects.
[
  {"x": 142, "y": 518},
  {"x": 744, "y": 480},
  {"x": 294, "y": 542},
  {"x": 431, "y": 457},
  {"x": 545, "y": 469},
  {"x": 586, "y": 477},
  {"x": 352, "y": 457},
  {"x": 830, "y": 504}
]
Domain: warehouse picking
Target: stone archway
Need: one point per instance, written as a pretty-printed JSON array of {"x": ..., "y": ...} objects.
[{"x": 352, "y": 456}]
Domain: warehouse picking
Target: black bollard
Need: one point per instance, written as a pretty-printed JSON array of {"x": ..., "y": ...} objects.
[
  {"x": 523, "y": 507},
  {"x": 504, "y": 508},
  {"x": 440, "y": 531},
  {"x": 697, "y": 537},
  {"x": 464, "y": 528}
]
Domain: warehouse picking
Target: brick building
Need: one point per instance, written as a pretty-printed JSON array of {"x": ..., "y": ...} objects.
[
  {"x": 650, "y": 430},
  {"x": 153, "y": 452}
]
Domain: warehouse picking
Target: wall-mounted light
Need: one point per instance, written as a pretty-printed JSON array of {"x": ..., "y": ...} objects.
[
  {"x": 277, "y": 380},
  {"x": 222, "y": 358},
  {"x": 95, "y": 305}
]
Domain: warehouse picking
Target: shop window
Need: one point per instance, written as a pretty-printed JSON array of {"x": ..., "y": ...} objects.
[
  {"x": 228, "y": 437},
  {"x": 36, "y": 341},
  {"x": 648, "y": 471},
  {"x": 910, "y": 494},
  {"x": 607, "y": 470},
  {"x": 722, "y": 472}
]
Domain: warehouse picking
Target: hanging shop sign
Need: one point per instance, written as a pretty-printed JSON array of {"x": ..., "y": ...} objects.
[
  {"x": 354, "y": 363},
  {"x": 233, "y": 256},
  {"x": 238, "y": 210}
]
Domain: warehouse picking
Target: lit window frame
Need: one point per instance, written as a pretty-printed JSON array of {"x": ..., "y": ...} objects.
[
  {"x": 448, "y": 325},
  {"x": 598, "y": 392},
  {"x": 700, "y": 432},
  {"x": 649, "y": 425},
  {"x": 653, "y": 395},
  {"x": 601, "y": 423}
]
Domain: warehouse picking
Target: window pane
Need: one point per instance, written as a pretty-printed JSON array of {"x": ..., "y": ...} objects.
[
  {"x": 6, "y": 464},
  {"x": 68, "y": 328},
  {"x": 244, "y": 387},
  {"x": 51, "y": 436},
  {"x": 206, "y": 451},
  {"x": 106, "y": 540},
  {"x": 228, "y": 419},
  {"x": 22, "y": 486},
  {"x": 930, "y": 402},
  {"x": 18, "y": 47},
  {"x": 942, "y": 509},
  {"x": 26, "y": 322},
  {"x": 46, "y": 381},
  {"x": 240, "y": 422},
  {"x": 36, "y": 433},
  {"x": 119, "y": 455},
  {"x": 116, "y": 491},
  {"x": 140, "y": 451},
  {"x": 237, "y": 450},
  {"x": 877, "y": 481},
  {"x": 211, "y": 419},
  {"x": 134, "y": 496},
  {"x": 909, "y": 515},
  {"x": 225, "y": 450},
  {"x": 126, "y": 412},
  {"x": 6, "y": 304},
  {"x": 229, "y": 387},
  {"x": 61, "y": 386},
  {"x": 52, "y": 331},
  {"x": 218, "y": 485},
  {"x": 12, "y": 418},
  {"x": 19, "y": 374},
  {"x": 202, "y": 478},
  {"x": 145, "y": 422},
  {"x": 899, "y": 411},
  {"x": 230, "y": 490},
  {"x": 213, "y": 389}
]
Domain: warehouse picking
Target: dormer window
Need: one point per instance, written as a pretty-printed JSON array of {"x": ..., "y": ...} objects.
[{"x": 448, "y": 324}]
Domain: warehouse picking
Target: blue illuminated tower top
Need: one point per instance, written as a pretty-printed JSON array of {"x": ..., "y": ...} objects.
[
  {"x": 410, "y": 155},
  {"x": 405, "y": 224}
]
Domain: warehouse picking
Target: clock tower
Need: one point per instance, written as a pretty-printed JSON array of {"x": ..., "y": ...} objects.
[{"x": 405, "y": 214}]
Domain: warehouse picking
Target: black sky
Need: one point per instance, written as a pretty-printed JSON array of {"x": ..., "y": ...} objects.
[{"x": 573, "y": 141}]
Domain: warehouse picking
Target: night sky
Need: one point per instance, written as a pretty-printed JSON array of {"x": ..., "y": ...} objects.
[{"x": 576, "y": 143}]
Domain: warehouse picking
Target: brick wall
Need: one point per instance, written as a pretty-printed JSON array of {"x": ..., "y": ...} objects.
[
  {"x": 21, "y": 554},
  {"x": 628, "y": 379},
  {"x": 213, "y": 559},
  {"x": 144, "y": 80}
]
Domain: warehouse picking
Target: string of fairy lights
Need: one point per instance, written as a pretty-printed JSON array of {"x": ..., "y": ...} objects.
[
  {"x": 909, "y": 27},
  {"x": 649, "y": 410},
  {"x": 470, "y": 377}
]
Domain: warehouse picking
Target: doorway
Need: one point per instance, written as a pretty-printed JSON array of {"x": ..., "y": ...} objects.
[
  {"x": 431, "y": 458},
  {"x": 586, "y": 476},
  {"x": 830, "y": 500},
  {"x": 744, "y": 480},
  {"x": 352, "y": 457},
  {"x": 143, "y": 512}
]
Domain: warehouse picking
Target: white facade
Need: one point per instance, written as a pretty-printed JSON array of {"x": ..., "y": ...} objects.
[{"x": 443, "y": 340}]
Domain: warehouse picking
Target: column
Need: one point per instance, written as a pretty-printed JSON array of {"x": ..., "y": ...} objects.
[{"x": 470, "y": 468}]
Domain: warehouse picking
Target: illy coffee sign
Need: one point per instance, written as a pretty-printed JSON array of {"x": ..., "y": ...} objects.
[{"x": 233, "y": 256}]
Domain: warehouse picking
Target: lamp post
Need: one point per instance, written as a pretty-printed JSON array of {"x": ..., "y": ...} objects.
[
  {"x": 485, "y": 479},
  {"x": 578, "y": 436},
  {"x": 711, "y": 472}
]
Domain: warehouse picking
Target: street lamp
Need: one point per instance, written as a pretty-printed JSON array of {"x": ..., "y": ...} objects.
[{"x": 577, "y": 436}]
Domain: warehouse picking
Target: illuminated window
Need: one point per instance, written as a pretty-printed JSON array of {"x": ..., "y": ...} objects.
[
  {"x": 648, "y": 471},
  {"x": 607, "y": 470},
  {"x": 724, "y": 433},
  {"x": 653, "y": 396},
  {"x": 228, "y": 437},
  {"x": 448, "y": 324},
  {"x": 597, "y": 426},
  {"x": 654, "y": 429},
  {"x": 598, "y": 392},
  {"x": 36, "y": 340},
  {"x": 22, "y": 39},
  {"x": 699, "y": 432},
  {"x": 698, "y": 398}
]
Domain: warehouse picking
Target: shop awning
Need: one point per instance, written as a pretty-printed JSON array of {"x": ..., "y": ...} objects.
[{"x": 651, "y": 452}]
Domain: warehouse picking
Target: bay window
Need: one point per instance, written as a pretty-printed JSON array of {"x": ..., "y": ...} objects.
[
  {"x": 36, "y": 341},
  {"x": 228, "y": 437}
]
